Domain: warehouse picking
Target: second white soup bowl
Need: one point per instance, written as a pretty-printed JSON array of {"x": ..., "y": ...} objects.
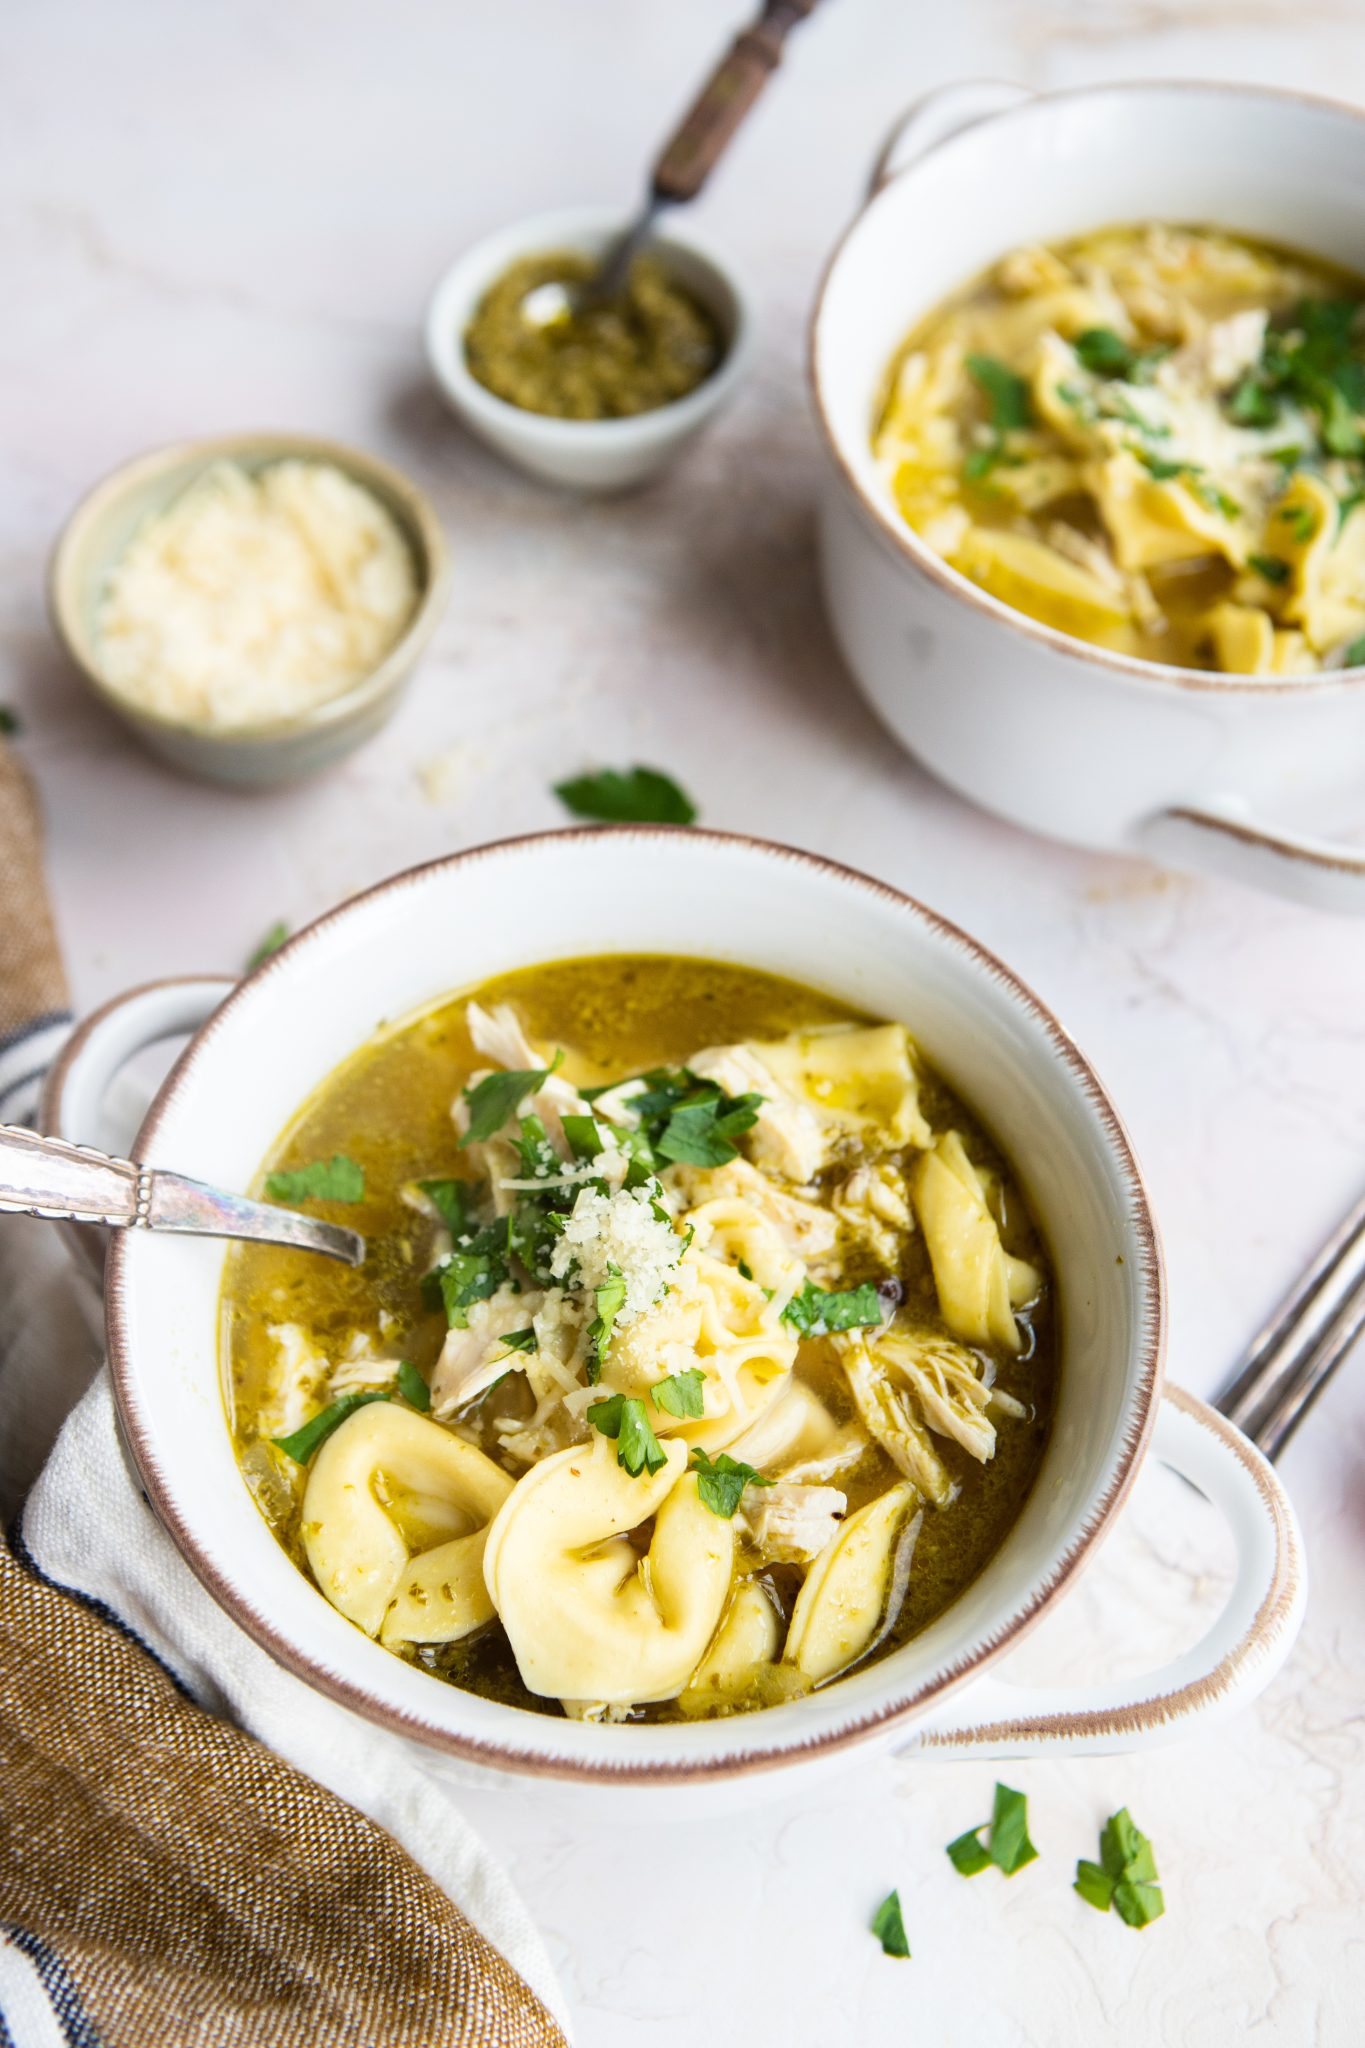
[
  {"x": 1230, "y": 774},
  {"x": 264, "y": 1045}
]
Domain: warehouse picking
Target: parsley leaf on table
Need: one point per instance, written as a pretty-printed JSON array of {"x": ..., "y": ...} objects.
[{"x": 628, "y": 796}]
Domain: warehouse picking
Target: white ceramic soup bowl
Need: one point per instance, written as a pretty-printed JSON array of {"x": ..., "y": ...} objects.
[
  {"x": 264, "y": 1045},
  {"x": 584, "y": 455},
  {"x": 1228, "y": 774}
]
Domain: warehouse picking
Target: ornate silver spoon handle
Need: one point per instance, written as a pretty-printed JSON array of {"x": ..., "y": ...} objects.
[{"x": 64, "y": 1183}]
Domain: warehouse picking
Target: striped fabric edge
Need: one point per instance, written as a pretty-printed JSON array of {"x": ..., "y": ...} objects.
[
  {"x": 25, "y": 1056},
  {"x": 17, "y": 1544},
  {"x": 42, "y": 2006}
]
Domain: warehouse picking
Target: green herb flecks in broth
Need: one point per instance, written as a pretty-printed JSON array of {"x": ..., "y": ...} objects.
[{"x": 388, "y": 1109}]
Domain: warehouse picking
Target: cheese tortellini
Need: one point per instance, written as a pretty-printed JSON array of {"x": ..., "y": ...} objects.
[
  {"x": 980, "y": 1286},
  {"x": 588, "y": 1616},
  {"x": 1152, "y": 439},
  {"x": 382, "y": 1468}
]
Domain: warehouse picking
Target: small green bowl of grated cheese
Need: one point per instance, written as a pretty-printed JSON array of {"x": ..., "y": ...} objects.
[{"x": 251, "y": 606}]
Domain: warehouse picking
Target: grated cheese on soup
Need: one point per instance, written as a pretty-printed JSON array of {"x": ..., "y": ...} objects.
[
  {"x": 618, "y": 1234},
  {"x": 253, "y": 597}
]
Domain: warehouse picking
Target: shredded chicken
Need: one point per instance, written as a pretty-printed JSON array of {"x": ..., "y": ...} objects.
[
  {"x": 360, "y": 1366},
  {"x": 788, "y": 1135},
  {"x": 874, "y": 1205},
  {"x": 499, "y": 1036},
  {"x": 472, "y": 1359},
  {"x": 790, "y": 1524}
]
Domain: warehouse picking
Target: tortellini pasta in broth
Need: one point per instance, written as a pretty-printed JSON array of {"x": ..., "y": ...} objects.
[
  {"x": 688, "y": 1382},
  {"x": 1151, "y": 438}
]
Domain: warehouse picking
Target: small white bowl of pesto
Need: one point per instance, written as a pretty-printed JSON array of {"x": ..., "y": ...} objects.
[{"x": 598, "y": 398}]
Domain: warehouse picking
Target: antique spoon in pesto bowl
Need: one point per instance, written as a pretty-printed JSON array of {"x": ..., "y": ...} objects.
[
  {"x": 62, "y": 1183},
  {"x": 686, "y": 159}
]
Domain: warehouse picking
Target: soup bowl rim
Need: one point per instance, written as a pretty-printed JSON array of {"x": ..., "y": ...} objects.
[
  {"x": 901, "y": 540},
  {"x": 1145, "y": 1357}
]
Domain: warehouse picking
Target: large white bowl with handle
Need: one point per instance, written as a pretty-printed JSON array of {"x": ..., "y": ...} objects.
[
  {"x": 1229, "y": 774},
  {"x": 262, "y": 1046}
]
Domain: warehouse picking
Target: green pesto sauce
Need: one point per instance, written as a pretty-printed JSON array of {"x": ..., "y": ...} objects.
[
  {"x": 647, "y": 347},
  {"x": 388, "y": 1107}
]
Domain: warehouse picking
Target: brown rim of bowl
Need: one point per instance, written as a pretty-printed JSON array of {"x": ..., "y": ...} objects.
[
  {"x": 905, "y": 545},
  {"x": 348, "y": 1692},
  {"x": 393, "y": 488}
]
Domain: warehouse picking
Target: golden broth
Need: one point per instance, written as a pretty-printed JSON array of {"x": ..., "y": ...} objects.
[{"x": 389, "y": 1108}]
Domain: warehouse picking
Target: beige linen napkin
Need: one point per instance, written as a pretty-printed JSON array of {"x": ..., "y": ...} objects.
[{"x": 165, "y": 1876}]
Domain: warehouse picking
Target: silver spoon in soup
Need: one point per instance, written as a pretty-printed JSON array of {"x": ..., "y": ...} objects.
[{"x": 62, "y": 1183}]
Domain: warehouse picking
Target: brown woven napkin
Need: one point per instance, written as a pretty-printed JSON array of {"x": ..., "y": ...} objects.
[
  {"x": 32, "y": 983},
  {"x": 165, "y": 1878}
]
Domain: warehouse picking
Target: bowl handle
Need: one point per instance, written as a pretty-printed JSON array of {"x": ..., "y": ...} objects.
[
  {"x": 1233, "y": 1662},
  {"x": 100, "y": 1046},
  {"x": 935, "y": 117},
  {"x": 1223, "y": 838}
]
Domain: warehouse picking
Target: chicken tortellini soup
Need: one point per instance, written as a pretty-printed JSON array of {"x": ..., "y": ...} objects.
[
  {"x": 703, "y": 1351},
  {"x": 1153, "y": 439}
]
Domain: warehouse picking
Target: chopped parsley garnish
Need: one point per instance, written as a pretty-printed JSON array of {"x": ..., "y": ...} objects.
[
  {"x": 413, "y": 1387},
  {"x": 813, "y": 1313},
  {"x": 1212, "y": 495},
  {"x": 681, "y": 1393},
  {"x": 1106, "y": 354},
  {"x": 473, "y": 1272},
  {"x": 10, "y": 722},
  {"x": 521, "y": 1340},
  {"x": 1313, "y": 356},
  {"x": 1300, "y": 520},
  {"x": 1252, "y": 405},
  {"x": 889, "y": 1926},
  {"x": 301, "y": 1443},
  {"x": 702, "y": 1133},
  {"x": 1125, "y": 1876},
  {"x": 337, "y": 1179},
  {"x": 271, "y": 943},
  {"x": 688, "y": 1121},
  {"x": 745, "y": 1270},
  {"x": 496, "y": 1099},
  {"x": 637, "y": 1448},
  {"x": 1010, "y": 407},
  {"x": 1162, "y": 470},
  {"x": 1008, "y": 1848},
  {"x": 979, "y": 462},
  {"x": 1006, "y": 393},
  {"x": 537, "y": 1156},
  {"x": 453, "y": 1201},
  {"x": 721, "y": 1481},
  {"x": 628, "y": 796},
  {"x": 609, "y": 1299},
  {"x": 969, "y": 1854},
  {"x": 584, "y": 1135},
  {"x": 1354, "y": 654},
  {"x": 1272, "y": 567}
]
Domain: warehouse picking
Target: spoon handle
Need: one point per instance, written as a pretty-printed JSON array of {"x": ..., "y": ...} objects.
[
  {"x": 691, "y": 152},
  {"x": 64, "y": 1183}
]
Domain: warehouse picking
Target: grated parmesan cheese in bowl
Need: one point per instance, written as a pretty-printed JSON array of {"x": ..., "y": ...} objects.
[
  {"x": 250, "y": 606},
  {"x": 253, "y": 597}
]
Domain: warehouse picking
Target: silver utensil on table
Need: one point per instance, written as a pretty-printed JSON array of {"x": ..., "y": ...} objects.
[
  {"x": 687, "y": 158},
  {"x": 1306, "y": 1339},
  {"x": 64, "y": 1183}
]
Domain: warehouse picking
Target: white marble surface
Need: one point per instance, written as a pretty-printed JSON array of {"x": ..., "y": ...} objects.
[{"x": 216, "y": 218}]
